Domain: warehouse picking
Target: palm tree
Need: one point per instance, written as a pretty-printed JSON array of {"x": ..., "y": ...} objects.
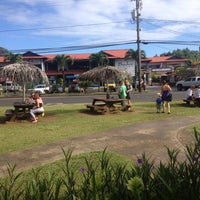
[
  {"x": 62, "y": 62},
  {"x": 99, "y": 59},
  {"x": 132, "y": 54},
  {"x": 13, "y": 58}
]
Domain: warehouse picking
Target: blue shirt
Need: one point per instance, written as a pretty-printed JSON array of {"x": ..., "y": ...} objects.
[{"x": 159, "y": 100}]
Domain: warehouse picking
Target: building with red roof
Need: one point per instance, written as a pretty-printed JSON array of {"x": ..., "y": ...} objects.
[
  {"x": 163, "y": 64},
  {"x": 81, "y": 63}
]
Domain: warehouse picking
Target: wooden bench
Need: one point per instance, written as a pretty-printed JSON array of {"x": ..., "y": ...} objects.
[
  {"x": 97, "y": 108},
  {"x": 188, "y": 102},
  {"x": 192, "y": 101}
]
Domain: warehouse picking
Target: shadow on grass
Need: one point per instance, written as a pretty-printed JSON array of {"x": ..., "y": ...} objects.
[
  {"x": 3, "y": 119},
  {"x": 186, "y": 105},
  {"x": 59, "y": 112},
  {"x": 95, "y": 113},
  {"x": 88, "y": 112}
]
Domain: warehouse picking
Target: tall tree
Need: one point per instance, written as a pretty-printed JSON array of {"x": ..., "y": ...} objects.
[
  {"x": 62, "y": 62},
  {"x": 132, "y": 54},
  {"x": 99, "y": 59},
  {"x": 13, "y": 58},
  {"x": 193, "y": 56}
]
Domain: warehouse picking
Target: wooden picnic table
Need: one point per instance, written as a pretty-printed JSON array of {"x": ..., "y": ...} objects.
[
  {"x": 21, "y": 110},
  {"x": 105, "y": 105}
]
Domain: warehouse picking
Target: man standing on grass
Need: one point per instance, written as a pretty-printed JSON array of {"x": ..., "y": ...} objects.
[{"x": 122, "y": 92}]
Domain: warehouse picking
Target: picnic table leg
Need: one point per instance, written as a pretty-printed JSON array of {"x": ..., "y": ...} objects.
[{"x": 13, "y": 118}]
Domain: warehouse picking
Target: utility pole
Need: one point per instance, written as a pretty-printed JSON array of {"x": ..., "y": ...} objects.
[{"x": 136, "y": 16}]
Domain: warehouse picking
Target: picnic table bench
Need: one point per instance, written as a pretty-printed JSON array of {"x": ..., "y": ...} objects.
[
  {"x": 193, "y": 102},
  {"x": 98, "y": 108},
  {"x": 106, "y": 105},
  {"x": 21, "y": 110}
]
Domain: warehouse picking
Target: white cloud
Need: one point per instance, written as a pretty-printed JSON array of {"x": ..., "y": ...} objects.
[{"x": 62, "y": 13}]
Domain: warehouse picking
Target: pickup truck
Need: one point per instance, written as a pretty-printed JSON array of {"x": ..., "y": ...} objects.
[{"x": 185, "y": 84}]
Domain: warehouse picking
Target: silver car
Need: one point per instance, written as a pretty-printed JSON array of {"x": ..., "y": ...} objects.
[{"x": 11, "y": 87}]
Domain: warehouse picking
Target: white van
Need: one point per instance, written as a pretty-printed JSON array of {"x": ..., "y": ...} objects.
[{"x": 10, "y": 86}]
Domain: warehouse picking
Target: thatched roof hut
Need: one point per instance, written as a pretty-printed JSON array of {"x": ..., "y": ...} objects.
[{"x": 24, "y": 73}]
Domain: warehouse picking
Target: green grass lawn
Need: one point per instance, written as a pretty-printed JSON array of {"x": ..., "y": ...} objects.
[{"x": 67, "y": 120}]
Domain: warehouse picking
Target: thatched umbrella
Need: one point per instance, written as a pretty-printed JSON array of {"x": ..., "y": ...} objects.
[
  {"x": 105, "y": 73},
  {"x": 24, "y": 73}
]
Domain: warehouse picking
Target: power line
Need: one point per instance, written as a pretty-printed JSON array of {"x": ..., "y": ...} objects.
[
  {"x": 60, "y": 27},
  {"x": 70, "y": 48},
  {"x": 172, "y": 31},
  {"x": 93, "y": 46},
  {"x": 172, "y": 21},
  {"x": 104, "y": 23}
]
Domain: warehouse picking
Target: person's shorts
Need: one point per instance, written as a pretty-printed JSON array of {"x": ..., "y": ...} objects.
[{"x": 128, "y": 96}]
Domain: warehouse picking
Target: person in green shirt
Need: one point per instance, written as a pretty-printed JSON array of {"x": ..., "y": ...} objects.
[{"x": 122, "y": 90}]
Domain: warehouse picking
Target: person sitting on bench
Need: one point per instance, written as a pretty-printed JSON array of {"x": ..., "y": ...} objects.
[
  {"x": 196, "y": 96},
  {"x": 38, "y": 108},
  {"x": 189, "y": 93}
]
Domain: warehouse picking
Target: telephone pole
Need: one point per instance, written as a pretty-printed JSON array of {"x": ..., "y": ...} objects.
[{"x": 136, "y": 16}]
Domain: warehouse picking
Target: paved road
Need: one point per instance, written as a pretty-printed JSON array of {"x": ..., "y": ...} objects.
[{"x": 149, "y": 95}]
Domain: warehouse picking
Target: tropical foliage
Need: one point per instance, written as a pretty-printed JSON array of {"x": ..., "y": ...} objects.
[
  {"x": 98, "y": 59},
  {"x": 62, "y": 62},
  {"x": 103, "y": 179},
  {"x": 193, "y": 56},
  {"x": 13, "y": 58},
  {"x": 132, "y": 54}
]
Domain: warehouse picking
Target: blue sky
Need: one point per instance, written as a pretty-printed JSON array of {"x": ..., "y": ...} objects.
[{"x": 52, "y": 24}]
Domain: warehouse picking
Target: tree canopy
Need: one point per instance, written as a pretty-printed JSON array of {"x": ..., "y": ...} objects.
[
  {"x": 13, "y": 58},
  {"x": 99, "y": 59},
  {"x": 193, "y": 56}
]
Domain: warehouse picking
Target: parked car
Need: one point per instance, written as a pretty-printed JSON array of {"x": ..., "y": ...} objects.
[
  {"x": 41, "y": 88},
  {"x": 10, "y": 86},
  {"x": 192, "y": 81}
]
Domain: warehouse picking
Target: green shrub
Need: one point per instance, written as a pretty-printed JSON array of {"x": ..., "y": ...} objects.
[{"x": 102, "y": 179}]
